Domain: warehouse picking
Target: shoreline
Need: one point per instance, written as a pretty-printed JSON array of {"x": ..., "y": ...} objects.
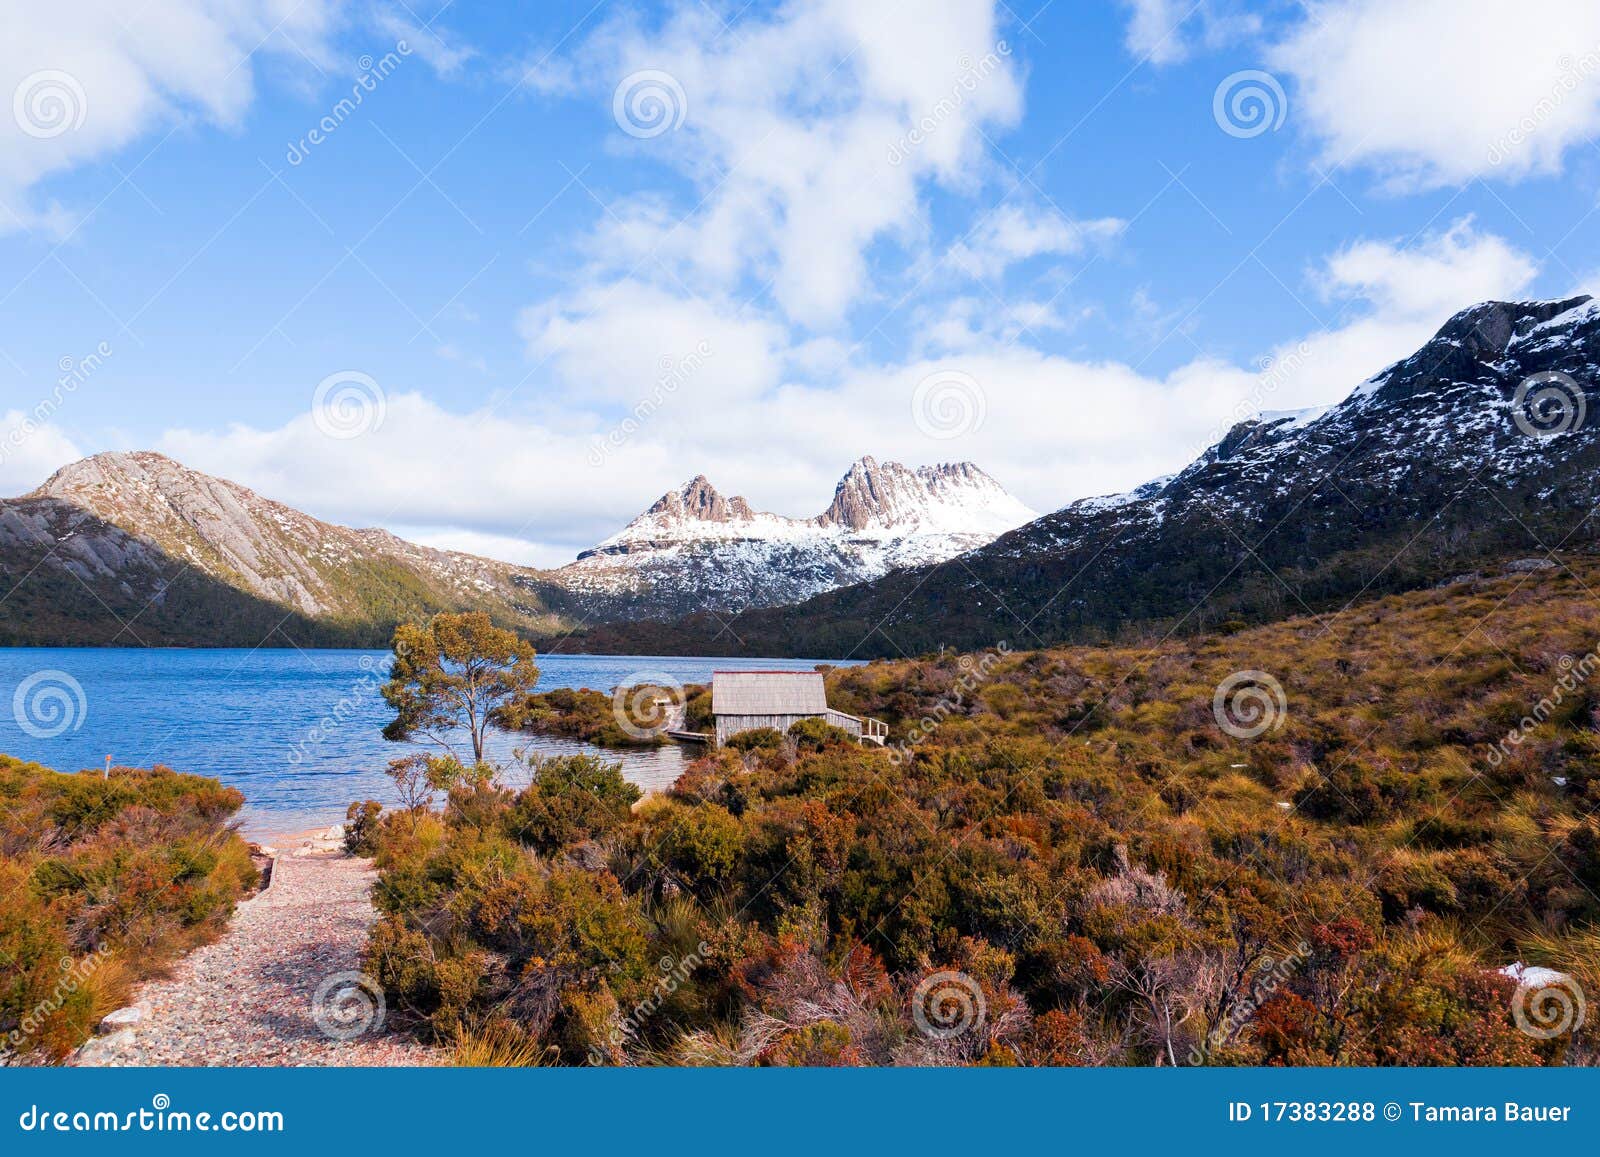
[{"x": 284, "y": 841}]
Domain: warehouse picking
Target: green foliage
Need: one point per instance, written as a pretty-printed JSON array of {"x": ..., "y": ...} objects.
[
  {"x": 361, "y": 827},
  {"x": 570, "y": 799},
  {"x": 479, "y": 927},
  {"x": 1122, "y": 880},
  {"x": 701, "y": 843},
  {"x": 453, "y": 673},
  {"x": 816, "y": 734},
  {"x": 585, "y": 715},
  {"x": 103, "y": 881},
  {"x": 756, "y": 739}
]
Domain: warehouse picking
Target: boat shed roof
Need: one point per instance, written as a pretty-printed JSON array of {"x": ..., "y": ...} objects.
[{"x": 768, "y": 693}]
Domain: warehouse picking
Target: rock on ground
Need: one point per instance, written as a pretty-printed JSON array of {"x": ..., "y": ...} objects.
[{"x": 281, "y": 987}]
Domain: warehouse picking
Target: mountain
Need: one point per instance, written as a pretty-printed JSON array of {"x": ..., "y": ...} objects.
[
  {"x": 1483, "y": 444},
  {"x": 136, "y": 548},
  {"x": 695, "y": 549}
]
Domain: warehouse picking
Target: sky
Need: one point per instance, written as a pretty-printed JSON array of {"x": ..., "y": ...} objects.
[{"x": 495, "y": 276}]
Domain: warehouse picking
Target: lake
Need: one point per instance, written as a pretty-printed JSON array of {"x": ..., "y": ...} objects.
[{"x": 298, "y": 732}]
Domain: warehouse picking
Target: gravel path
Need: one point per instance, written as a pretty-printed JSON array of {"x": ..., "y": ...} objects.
[{"x": 281, "y": 987}]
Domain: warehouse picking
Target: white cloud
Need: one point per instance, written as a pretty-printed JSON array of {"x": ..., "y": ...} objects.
[
  {"x": 1445, "y": 273},
  {"x": 1055, "y": 428},
  {"x": 809, "y": 134},
  {"x": 89, "y": 77},
  {"x": 424, "y": 466},
  {"x": 454, "y": 353},
  {"x": 1154, "y": 29},
  {"x": 30, "y": 451},
  {"x": 1012, "y": 233},
  {"x": 615, "y": 342},
  {"x": 1165, "y": 31},
  {"x": 967, "y": 323},
  {"x": 504, "y": 547},
  {"x": 1436, "y": 92},
  {"x": 428, "y": 41}
]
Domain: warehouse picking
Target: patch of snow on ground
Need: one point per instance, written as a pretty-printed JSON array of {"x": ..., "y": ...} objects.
[{"x": 1533, "y": 975}]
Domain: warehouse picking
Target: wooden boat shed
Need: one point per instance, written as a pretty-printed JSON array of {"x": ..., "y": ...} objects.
[{"x": 746, "y": 700}]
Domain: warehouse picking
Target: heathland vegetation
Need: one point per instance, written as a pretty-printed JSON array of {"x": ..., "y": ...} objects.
[
  {"x": 638, "y": 719},
  {"x": 104, "y": 881},
  {"x": 1317, "y": 842}
]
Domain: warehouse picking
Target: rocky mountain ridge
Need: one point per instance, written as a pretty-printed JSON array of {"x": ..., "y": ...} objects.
[
  {"x": 882, "y": 516},
  {"x": 1481, "y": 446},
  {"x": 135, "y": 548}
]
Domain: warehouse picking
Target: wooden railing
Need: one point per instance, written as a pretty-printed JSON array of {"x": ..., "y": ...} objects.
[{"x": 872, "y": 730}]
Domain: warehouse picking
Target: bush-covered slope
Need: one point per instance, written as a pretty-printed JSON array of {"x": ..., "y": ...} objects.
[
  {"x": 103, "y": 881},
  {"x": 1314, "y": 842}
]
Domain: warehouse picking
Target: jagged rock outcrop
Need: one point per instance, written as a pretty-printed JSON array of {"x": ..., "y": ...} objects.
[{"x": 696, "y": 550}]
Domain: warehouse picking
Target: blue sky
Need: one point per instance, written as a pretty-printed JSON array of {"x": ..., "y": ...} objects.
[{"x": 496, "y": 306}]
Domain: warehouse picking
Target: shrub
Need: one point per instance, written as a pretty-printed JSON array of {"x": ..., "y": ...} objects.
[
  {"x": 361, "y": 828},
  {"x": 570, "y": 798},
  {"x": 756, "y": 739},
  {"x": 700, "y": 842},
  {"x": 103, "y": 881},
  {"x": 1118, "y": 878},
  {"x": 816, "y": 734}
]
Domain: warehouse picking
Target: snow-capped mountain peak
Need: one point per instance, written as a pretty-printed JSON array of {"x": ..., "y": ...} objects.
[
  {"x": 1480, "y": 447},
  {"x": 696, "y": 501},
  {"x": 951, "y": 498},
  {"x": 695, "y": 549}
]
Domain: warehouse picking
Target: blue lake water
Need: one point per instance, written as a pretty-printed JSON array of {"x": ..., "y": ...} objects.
[{"x": 298, "y": 732}]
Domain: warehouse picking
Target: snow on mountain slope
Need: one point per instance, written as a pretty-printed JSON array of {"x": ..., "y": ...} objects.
[
  {"x": 696, "y": 549},
  {"x": 135, "y": 547},
  {"x": 1481, "y": 447}
]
